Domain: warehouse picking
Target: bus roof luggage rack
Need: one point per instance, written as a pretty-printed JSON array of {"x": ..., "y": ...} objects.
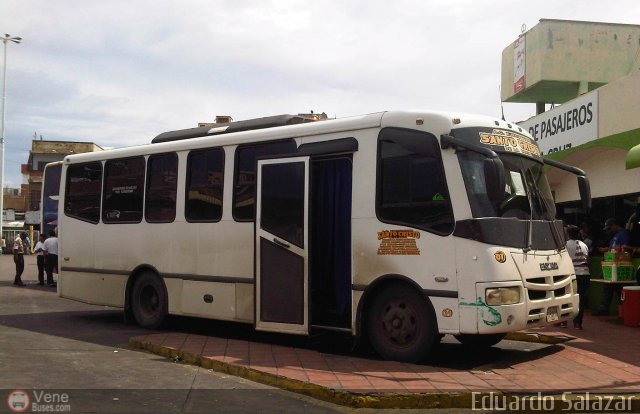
[{"x": 227, "y": 128}]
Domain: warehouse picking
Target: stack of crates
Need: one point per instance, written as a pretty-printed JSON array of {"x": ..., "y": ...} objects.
[{"x": 617, "y": 266}]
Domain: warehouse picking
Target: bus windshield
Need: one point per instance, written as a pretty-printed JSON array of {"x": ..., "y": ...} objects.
[{"x": 527, "y": 194}]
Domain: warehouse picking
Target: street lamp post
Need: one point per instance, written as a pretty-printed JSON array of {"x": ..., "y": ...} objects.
[{"x": 6, "y": 38}]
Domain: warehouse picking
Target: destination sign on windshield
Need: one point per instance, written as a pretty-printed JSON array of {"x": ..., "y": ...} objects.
[{"x": 510, "y": 141}]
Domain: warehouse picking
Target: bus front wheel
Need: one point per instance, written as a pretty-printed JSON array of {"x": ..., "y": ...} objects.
[
  {"x": 400, "y": 324},
  {"x": 149, "y": 301}
]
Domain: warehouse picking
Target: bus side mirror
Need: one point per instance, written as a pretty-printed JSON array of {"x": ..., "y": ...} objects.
[
  {"x": 494, "y": 179},
  {"x": 585, "y": 191}
]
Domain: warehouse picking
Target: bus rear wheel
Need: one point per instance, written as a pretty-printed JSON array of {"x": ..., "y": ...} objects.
[
  {"x": 480, "y": 341},
  {"x": 149, "y": 301},
  {"x": 400, "y": 324}
]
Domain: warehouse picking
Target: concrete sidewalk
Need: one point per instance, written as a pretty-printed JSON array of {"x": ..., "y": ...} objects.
[{"x": 603, "y": 358}]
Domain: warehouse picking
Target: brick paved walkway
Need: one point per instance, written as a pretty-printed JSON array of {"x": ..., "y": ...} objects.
[{"x": 604, "y": 358}]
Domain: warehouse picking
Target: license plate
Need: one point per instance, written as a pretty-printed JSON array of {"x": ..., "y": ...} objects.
[{"x": 552, "y": 314}]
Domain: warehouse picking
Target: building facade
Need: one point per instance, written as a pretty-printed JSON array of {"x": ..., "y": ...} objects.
[
  {"x": 590, "y": 74},
  {"x": 22, "y": 206},
  {"x": 43, "y": 152}
]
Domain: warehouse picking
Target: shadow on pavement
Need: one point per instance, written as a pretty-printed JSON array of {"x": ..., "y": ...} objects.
[
  {"x": 106, "y": 327},
  {"x": 102, "y": 327}
]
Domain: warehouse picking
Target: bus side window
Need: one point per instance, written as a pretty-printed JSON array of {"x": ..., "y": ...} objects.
[
  {"x": 162, "y": 180},
  {"x": 123, "y": 189},
  {"x": 205, "y": 184},
  {"x": 83, "y": 189},
  {"x": 411, "y": 185},
  {"x": 244, "y": 180}
]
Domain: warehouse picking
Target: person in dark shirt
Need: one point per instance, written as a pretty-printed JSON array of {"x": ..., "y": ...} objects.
[
  {"x": 620, "y": 238},
  {"x": 586, "y": 237}
]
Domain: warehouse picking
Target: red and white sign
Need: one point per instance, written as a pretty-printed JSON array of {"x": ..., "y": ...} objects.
[
  {"x": 519, "y": 64},
  {"x": 18, "y": 401}
]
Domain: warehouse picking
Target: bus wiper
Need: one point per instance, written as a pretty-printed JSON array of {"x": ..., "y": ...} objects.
[
  {"x": 556, "y": 235},
  {"x": 529, "y": 188},
  {"x": 542, "y": 208},
  {"x": 557, "y": 238},
  {"x": 529, "y": 230}
]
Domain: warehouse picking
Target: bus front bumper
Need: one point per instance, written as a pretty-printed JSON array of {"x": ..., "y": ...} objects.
[{"x": 538, "y": 305}]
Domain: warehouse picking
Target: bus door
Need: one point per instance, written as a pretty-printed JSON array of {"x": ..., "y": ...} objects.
[{"x": 282, "y": 245}]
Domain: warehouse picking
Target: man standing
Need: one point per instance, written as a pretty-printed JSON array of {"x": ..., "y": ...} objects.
[
  {"x": 579, "y": 253},
  {"x": 50, "y": 247},
  {"x": 39, "y": 250},
  {"x": 620, "y": 238},
  {"x": 18, "y": 258}
]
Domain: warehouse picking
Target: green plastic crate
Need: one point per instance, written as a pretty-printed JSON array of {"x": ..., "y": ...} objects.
[{"x": 623, "y": 272}]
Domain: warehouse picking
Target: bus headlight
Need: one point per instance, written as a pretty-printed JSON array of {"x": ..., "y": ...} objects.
[
  {"x": 502, "y": 296},
  {"x": 574, "y": 286}
]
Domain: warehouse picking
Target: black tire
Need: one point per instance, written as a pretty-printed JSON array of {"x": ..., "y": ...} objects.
[
  {"x": 480, "y": 341},
  {"x": 149, "y": 301},
  {"x": 401, "y": 325}
]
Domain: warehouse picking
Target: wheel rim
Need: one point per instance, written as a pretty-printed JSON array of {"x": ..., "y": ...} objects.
[
  {"x": 149, "y": 301},
  {"x": 399, "y": 323}
]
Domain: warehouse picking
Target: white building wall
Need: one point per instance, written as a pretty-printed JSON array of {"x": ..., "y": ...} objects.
[
  {"x": 619, "y": 104},
  {"x": 618, "y": 112},
  {"x": 605, "y": 168}
]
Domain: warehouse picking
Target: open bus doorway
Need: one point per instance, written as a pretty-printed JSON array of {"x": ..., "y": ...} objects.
[
  {"x": 303, "y": 244},
  {"x": 330, "y": 231}
]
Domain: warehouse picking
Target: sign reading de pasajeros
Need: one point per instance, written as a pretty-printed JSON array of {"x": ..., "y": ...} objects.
[{"x": 569, "y": 125}]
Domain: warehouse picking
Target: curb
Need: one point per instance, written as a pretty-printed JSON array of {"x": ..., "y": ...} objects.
[
  {"x": 340, "y": 397},
  {"x": 434, "y": 400},
  {"x": 538, "y": 337}
]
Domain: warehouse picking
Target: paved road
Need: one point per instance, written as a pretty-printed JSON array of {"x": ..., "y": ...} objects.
[{"x": 69, "y": 348}]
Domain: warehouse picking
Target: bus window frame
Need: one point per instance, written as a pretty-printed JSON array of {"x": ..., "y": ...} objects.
[
  {"x": 187, "y": 184},
  {"x": 100, "y": 194},
  {"x": 104, "y": 185},
  {"x": 378, "y": 183},
  {"x": 236, "y": 162},
  {"x": 148, "y": 183}
]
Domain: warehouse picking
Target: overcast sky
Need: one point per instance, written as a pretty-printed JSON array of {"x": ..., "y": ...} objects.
[{"x": 118, "y": 73}]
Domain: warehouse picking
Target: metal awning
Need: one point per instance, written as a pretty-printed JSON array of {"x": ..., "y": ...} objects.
[{"x": 11, "y": 225}]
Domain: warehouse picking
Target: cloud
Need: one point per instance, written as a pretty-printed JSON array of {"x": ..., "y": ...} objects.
[{"x": 120, "y": 72}]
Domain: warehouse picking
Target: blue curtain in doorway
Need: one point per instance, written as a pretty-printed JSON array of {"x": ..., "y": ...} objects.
[{"x": 332, "y": 225}]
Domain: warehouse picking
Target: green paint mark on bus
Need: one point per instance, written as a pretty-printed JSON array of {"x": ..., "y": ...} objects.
[{"x": 489, "y": 315}]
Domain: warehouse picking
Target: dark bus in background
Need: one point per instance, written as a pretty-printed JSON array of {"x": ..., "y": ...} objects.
[{"x": 50, "y": 193}]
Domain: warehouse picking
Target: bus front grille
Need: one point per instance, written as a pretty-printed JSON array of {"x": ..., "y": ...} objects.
[{"x": 548, "y": 287}]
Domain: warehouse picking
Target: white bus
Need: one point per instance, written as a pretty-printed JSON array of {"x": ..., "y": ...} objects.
[{"x": 398, "y": 227}]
